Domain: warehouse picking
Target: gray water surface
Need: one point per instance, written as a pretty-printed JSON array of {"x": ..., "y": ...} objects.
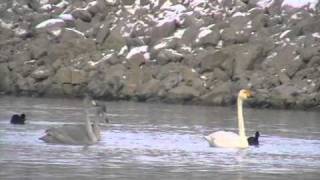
[{"x": 157, "y": 141}]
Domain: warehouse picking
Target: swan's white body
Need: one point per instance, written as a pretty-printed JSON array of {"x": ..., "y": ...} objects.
[
  {"x": 82, "y": 134},
  {"x": 227, "y": 139}
]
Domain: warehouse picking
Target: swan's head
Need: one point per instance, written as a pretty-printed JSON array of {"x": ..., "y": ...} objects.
[
  {"x": 245, "y": 94},
  {"x": 257, "y": 135},
  {"x": 23, "y": 117}
]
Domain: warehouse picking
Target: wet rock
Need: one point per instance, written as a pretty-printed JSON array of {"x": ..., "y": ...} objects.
[
  {"x": 183, "y": 92},
  {"x": 287, "y": 92},
  {"x": 219, "y": 94},
  {"x": 5, "y": 80},
  {"x": 149, "y": 89}
]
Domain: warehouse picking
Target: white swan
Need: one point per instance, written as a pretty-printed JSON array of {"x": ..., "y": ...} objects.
[
  {"x": 82, "y": 134},
  {"x": 230, "y": 139}
]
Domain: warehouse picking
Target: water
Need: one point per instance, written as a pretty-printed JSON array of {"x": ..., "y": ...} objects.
[{"x": 157, "y": 141}]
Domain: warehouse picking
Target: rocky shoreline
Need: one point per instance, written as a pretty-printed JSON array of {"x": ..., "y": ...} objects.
[{"x": 178, "y": 51}]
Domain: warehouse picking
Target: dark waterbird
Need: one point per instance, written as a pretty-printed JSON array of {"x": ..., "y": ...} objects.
[
  {"x": 18, "y": 119},
  {"x": 254, "y": 141}
]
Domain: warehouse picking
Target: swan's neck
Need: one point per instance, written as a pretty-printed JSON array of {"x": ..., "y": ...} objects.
[
  {"x": 242, "y": 132},
  {"x": 91, "y": 135},
  {"x": 96, "y": 129}
]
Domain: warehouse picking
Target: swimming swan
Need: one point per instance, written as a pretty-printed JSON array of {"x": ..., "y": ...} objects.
[
  {"x": 18, "y": 119},
  {"x": 254, "y": 141},
  {"x": 82, "y": 134},
  {"x": 230, "y": 139}
]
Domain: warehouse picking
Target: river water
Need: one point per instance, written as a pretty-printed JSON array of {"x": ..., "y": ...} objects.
[{"x": 157, "y": 141}]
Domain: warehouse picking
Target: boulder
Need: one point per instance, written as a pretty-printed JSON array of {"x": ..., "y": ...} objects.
[
  {"x": 82, "y": 14},
  {"x": 219, "y": 94},
  {"x": 78, "y": 76},
  {"x": 63, "y": 75},
  {"x": 137, "y": 56},
  {"x": 246, "y": 57},
  {"x": 207, "y": 37},
  {"x": 165, "y": 43},
  {"x": 233, "y": 36},
  {"x": 103, "y": 32},
  {"x": 183, "y": 92},
  {"x": 168, "y": 55},
  {"x": 210, "y": 60},
  {"x": 162, "y": 30},
  {"x": 115, "y": 39},
  {"x": 41, "y": 73},
  {"x": 308, "y": 52},
  {"x": 5, "y": 79}
]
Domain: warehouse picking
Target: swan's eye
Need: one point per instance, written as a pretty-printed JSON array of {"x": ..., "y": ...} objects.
[{"x": 248, "y": 93}]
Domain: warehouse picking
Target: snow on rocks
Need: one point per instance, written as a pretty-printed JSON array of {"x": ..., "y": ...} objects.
[{"x": 182, "y": 51}]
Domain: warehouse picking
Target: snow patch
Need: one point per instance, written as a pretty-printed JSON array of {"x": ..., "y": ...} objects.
[
  {"x": 300, "y": 3},
  {"x": 241, "y": 14},
  {"x": 137, "y": 50},
  {"x": 204, "y": 33},
  {"x": 316, "y": 35},
  {"x": 66, "y": 17},
  {"x": 50, "y": 23},
  {"x": 282, "y": 35},
  {"x": 5, "y": 25}
]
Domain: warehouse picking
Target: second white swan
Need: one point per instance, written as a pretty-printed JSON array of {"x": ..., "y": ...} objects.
[{"x": 230, "y": 139}]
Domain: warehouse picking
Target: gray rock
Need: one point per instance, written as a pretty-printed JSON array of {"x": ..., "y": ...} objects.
[
  {"x": 162, "y": 30},
  {"x": 137, "y": 41},
  {"x": 210, "y": 60},
  {"x": 308, "y": 52},
  {"x": 287, "y": 92},
  {"x": 171, "y": 81},
  {"x": 245, "y": 58},
  {"x": 183, "y": 92},
  {"x": 149, "y": 89},
  {"x": 208, "y": 37},
  {"x": 78, "y": 76},
  {"x": 168, "y": 55},
  {"x": 5, "y": 79},
  {"x": 127, "y": 2},
  {"x": 63, "y": 76},
  {"x": 39, "y": 47},
  {"x": 115, "y": 40},
  {"x": 103, "y": 32},
  {"x": 165, "y": 43},
  {"x": 219, "y": 94},
  {"x": 82, "y": 14},
  {"x": 41, "y": 73},
  {"x": 232, "y": 36}
]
